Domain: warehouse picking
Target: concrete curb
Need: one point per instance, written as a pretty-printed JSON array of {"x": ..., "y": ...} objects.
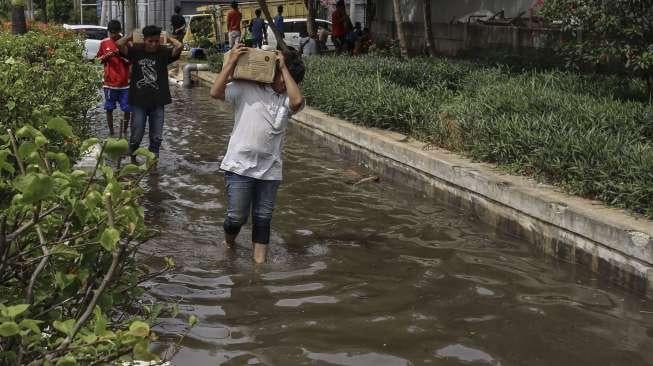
[{"x": 609, "y": 241}]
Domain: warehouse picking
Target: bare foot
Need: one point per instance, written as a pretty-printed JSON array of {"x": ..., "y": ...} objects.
[
  {"x": 260, "y": 253},
  {"x": 229, "y": 241}
]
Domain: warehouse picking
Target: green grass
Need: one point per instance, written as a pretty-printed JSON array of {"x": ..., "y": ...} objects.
[{"x": 592, "y": 136}]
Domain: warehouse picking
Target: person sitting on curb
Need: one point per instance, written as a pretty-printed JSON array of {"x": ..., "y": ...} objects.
[
  {"x": 253, "y": 164},
  {"x": 149, "y": 91}
]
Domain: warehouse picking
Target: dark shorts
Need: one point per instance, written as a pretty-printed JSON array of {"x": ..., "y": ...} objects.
[{"x": 113, "y": 96}]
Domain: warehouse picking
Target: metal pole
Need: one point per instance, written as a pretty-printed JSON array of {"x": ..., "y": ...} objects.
[
  {"x": 81, "y": 12},
  {"x": 165, "y": 19},
  {"x": 352, "y": 11}
]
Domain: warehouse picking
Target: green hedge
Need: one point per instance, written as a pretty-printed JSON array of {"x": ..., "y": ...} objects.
[
  {"x": 593, "y": 136},
  {"x": 69, "y": 278},
  {"x": 41, "y": 73}
]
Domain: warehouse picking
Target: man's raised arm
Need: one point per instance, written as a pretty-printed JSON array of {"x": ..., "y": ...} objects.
[
  {"x": 176, "y": 47},
  {"x": 122, "y": 43},
  {"x": 220, "y": 84}
]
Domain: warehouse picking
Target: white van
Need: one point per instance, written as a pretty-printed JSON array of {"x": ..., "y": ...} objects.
[
  {"x": 295, "y": 28},
  {"x": 93, "y": 35}
]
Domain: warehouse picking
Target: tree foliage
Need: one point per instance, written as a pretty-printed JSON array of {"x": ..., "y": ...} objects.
[
  {"x": 68, "y": 237},
  {"x": 605, "y": 33}
]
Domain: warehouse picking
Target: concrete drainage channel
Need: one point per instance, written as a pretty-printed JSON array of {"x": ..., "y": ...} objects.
[{"x": 610, "y": 242}]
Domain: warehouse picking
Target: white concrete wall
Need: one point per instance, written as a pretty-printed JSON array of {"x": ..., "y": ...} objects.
[{"x": 446, "y": 10}]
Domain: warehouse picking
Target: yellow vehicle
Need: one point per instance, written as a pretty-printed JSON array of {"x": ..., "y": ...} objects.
[
  {"x": 200, "y": 27},
  {"x": 211, "y": 21}
]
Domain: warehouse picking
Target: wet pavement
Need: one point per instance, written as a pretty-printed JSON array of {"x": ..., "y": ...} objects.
[{"x": 367, "y": 274}]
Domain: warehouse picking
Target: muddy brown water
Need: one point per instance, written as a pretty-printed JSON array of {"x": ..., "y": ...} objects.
[{"x": 369, "y": 274}]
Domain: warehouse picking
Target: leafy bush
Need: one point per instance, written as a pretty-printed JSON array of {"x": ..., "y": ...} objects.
[
  {"x": 605, "y": 33},
  {"x": 68, "y": 238},
  {"x": 41, "y": 74},
  {"x": 214, "y": 59},
  {"x": 591, "y": 135}
]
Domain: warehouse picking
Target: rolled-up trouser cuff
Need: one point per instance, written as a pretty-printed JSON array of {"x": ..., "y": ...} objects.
[
  {"x": 261, "y": 230},
  {"x": 231, "y": 227}
]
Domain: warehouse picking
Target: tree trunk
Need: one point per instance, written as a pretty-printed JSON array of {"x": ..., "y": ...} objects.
[
  {"x": 281, "y": 44},
  {"x": 18, "y": 23},
  {"x": 403, "y": 43},
  {"x": 352, "y": 11},
  {"x": 76, "y": 11},
  {"x": 130, "y": 16},
  {"x": 43, "y": 5},
  {"x": 370, "y": 13},
  {"x": 428, "y": 28},
  {"x": 104, "y": 13},
  {"x": 310, "y": 24},
  {"x": 29, "y": 8}
]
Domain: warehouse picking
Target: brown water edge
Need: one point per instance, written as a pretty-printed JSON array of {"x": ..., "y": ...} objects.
[{"x": 372, "y": 274}]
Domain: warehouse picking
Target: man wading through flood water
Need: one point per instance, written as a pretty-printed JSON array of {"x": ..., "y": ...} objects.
[
  {"x": 253, "y": 163},
  {"x": 148, "y": 89}
]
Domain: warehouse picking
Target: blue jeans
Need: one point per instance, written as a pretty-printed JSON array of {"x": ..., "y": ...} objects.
[
  {"x": 140, "y": 116},
  {"x": 245, "y": 194}
]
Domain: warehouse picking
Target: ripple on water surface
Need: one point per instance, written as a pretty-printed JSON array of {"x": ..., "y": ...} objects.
[{"x": 371, "y": 274}]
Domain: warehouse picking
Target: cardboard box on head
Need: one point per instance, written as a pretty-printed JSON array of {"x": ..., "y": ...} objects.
[
  {"x": 138, "y": 36},
  {"x": 255, "y": 65}
]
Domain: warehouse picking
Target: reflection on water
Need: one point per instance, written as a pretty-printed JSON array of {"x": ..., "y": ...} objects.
[{"x": 370, "y": 274}]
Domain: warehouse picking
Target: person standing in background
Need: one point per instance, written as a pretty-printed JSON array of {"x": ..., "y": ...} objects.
[
  {"x": 323, "y": 36},
  {"x": 278, "y": 20},
  {"x": 116, "y": 77},
  {"x": 259, "y": 31},
  {"x": 178, "y": 23},
  {"x": 149, "y": 91},
  {"x": 339, "y": 26},
  {"x": 234, "y": 17}
]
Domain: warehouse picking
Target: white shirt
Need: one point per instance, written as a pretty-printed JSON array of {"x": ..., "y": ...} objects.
[
  {"x": 256, "y": 143},
  {"x": 310, "y": 46}
]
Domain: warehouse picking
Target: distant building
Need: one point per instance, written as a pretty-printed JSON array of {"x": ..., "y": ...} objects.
[{"x": 156, "y": 12}]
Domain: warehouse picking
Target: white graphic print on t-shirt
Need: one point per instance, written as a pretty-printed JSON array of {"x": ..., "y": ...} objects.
[{"x": 148, "y": 68}]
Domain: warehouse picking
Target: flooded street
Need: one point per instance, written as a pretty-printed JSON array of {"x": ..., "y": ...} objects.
[{"x": 367, "y": 274}]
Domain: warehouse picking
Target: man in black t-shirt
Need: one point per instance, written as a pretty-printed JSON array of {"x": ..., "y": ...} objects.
[
  {"x": 178, "y": 24},
  {"x": 148, "y": 86}
]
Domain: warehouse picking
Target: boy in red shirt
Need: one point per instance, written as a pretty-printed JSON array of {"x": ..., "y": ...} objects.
[
  {"x": 116, "y": 77},
  {"x": 234, "y": 17}
]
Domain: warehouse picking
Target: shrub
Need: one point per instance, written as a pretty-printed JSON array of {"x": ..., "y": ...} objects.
[
  {"x": 41, "y": 74},
  {"x": 589, "y": 134},
  {"x": 67, "y": 243},
  {"x": 68, "y": 238},
  {"x": 214, "y": 59},
  {"x": 605, "y": 33}
]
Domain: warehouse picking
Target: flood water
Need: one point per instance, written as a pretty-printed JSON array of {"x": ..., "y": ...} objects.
[{"x": 370, "y": 274}]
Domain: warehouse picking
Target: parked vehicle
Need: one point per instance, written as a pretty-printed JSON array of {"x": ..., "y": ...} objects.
[
  {"x": 216, "y": 15},
  {"x": 295, "y": 28},
  {"x": 93, "y": 35}
]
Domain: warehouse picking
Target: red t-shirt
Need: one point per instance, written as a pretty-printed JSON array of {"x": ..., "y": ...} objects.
[
  {"x": 233, "y": 20},
  {"x": 338, "y": 26},
  {"x": 116, "y": 68}
]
